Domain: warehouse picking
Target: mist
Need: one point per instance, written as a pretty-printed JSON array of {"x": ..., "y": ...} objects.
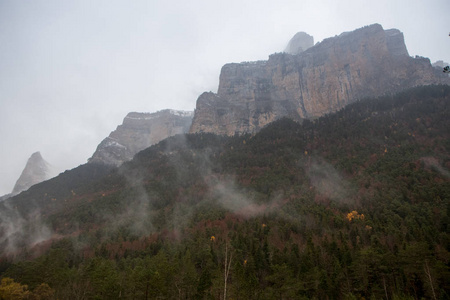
[
  {"x": 327, "y": 180},
  {"x": 18, "y": 232},
  {"x": 71, "y": 71}
]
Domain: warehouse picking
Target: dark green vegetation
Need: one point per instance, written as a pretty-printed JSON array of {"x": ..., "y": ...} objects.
[{"x": 354, "y": 204}]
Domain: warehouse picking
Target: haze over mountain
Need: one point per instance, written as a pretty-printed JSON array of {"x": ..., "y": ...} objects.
[
  {"x": 307, "y": 82},
  {"x": 359, "y": 59},
  {"x": 139, "y": 131},
  {"x": 351, "y": 204},
  {"x": 316, "y": 80},
  {"x": 315, "y": 175},
  {"x": 300, "y": 42},
  {"x": 71, "y": 70},
  {"x": 36, "y": 170}
]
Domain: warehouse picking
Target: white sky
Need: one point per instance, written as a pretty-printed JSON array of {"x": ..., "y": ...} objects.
[{"x": 71, "y": 70}]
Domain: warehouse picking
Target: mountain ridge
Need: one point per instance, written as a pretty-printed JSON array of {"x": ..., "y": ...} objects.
[
  {"x": 82, "y": 180},
  {"x": 139, "y": 131},
  {"x": 367, "y": 62},
  {"x": 351, "y": 202},
  {"x": 334, "y": 200},
  {"x": 298, "y": 84}
]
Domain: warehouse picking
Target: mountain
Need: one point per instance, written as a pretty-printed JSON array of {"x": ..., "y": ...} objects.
[
  {"x": 36, "y": 170},
  {"x": 367, "y": 62},
  {"x": 350, "y": 202},
  {"x": 299, "y": 43},
  {"x": 349, "y": 205},
  {"x": 139, "y": 131},
  {"x": 4, "y": 197}
]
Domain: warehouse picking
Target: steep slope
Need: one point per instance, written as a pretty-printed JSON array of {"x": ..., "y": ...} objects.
[
  {"x": 36, "y": 170},
  {"x": 139, "y": 131},
  {"x": 178, "y": 168},
  {"x": 367, "y": 62},
  {"x": 352, "y": 204}
]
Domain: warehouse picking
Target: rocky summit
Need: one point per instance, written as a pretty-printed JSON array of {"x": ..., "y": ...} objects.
[
  {"x": 367, "y": 62},
  {"x": 139, "y": 131},
  {"x": 299, "y": 43},
  {"x": 36, "y": 170}
]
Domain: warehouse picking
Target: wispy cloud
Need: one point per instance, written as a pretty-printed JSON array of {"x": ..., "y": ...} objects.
[{"x": 327, "y": 180}]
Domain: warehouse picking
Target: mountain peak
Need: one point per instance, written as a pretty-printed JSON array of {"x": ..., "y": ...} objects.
[
  {"x": 36, "y": 156},
  {"x": 302, "y": 84},
  {"x": 36, "y": 170},
  {"x": 138, "y": 131},
  {"x": 299, "y": 43}
]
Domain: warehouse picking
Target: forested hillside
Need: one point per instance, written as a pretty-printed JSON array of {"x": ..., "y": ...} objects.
[{"x": 350, "y": 205}]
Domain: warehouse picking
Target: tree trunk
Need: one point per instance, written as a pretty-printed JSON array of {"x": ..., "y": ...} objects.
[
  {"x": 428, "y": 273},
  {"x": 226, "y": 270}
]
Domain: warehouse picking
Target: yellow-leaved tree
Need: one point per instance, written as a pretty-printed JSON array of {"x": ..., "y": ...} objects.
[{"x": 11, "y": 290}]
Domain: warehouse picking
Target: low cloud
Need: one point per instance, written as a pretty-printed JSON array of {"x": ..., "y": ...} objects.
[
  {"x": 17, "y": 232},
  {"x": 327, "y": 180},
  {"x": 433, "y": 163},
  {"x": 239, "y": 200}
]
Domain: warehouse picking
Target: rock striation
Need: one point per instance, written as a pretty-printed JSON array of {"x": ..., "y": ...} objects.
[
  {"x": 367, "y": 62},
  {"x": 36, "y": 170},
  {"x": 139, "y": 131}
]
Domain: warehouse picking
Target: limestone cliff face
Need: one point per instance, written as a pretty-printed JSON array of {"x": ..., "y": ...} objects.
[
  {"x": 367, "y": 62},
  {"x": 139, "y": 131},
  {"x": 36, "y": 170}
]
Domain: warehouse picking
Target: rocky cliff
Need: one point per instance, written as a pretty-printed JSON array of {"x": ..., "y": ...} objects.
[
  {"x": 139, "y": 131},
  {"x": 36, "y": 170},
  {"x": 367, "y": 62}
]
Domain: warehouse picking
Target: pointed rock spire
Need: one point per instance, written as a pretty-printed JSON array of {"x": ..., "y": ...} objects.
[{"x": 36, "y": 171}]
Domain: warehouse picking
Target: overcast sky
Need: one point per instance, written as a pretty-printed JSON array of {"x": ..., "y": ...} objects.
[{"x": 71, "y": 70}]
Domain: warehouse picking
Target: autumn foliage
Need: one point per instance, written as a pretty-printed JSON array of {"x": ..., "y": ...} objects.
[
  {"x": 353, "y": 215},
  {"x": 318, "y": 210}
]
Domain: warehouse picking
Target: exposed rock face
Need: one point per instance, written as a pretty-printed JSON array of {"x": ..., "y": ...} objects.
[
  {"x": 139, "y": 131},
  {"x": 36, "y": 171},
  {"x": 367, "y": 62},
  {"x": 299, "y": 43}
]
